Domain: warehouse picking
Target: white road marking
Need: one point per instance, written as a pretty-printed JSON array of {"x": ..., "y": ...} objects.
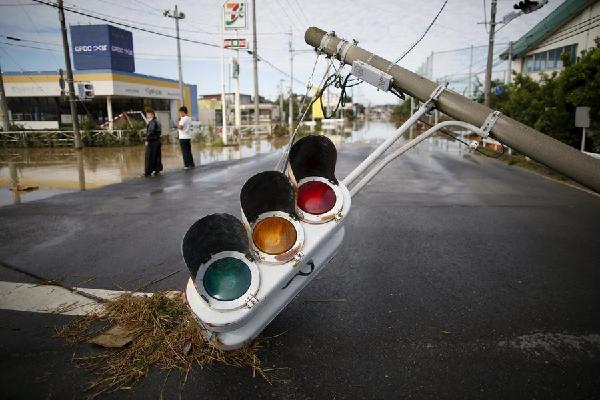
[{"x": 52, "y": 299}]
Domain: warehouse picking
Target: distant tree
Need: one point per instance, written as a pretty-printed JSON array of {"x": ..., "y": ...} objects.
[{"x": 549, "y": 105}]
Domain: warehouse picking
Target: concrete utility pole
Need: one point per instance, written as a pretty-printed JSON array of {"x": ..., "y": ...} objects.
[
  {"x": 236, "y": 75},
  {"x": 542, "y": 148},
  {"x": 3, "y": 105},
  {"x": 177, "y": 15},
  {"x": 72, "y": 100},
  {"x": 487, "y": 87},
  {"x": 509, "y": 75},
  {"x": 223, "y": 100},
  {"x": 255, "y": 65},
  {"x": 470, "y": 90},
  {"x": 281, "y": 118},
  {"x": 291, "y": 100}
]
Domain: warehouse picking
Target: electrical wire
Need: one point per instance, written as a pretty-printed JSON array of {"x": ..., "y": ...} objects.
[
  {"x": 48, "y": 3},
  {"x": 423, "y": 35}
]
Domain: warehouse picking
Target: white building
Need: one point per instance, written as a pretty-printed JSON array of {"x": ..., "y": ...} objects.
[{"x": 570, "y": 29}]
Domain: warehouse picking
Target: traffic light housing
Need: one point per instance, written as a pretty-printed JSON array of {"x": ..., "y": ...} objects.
[
  {"x": 243, "y": 272},
  {"x": 528, "y": 6}
]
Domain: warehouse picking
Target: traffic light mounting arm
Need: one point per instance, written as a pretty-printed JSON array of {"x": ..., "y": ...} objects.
[{"x": 372, "y": 158}]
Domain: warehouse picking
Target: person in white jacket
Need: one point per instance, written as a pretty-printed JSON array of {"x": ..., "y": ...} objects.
[{"x": 185, "y": 138}]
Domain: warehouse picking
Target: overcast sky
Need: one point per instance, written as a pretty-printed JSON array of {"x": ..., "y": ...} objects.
[{"x": 386, "y": 27}]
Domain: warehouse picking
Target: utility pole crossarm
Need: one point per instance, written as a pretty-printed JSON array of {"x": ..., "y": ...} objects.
[{"x": 542, "y": 148}]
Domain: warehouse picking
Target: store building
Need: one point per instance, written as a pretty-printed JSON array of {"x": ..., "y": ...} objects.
[
  {"x": 570, "y": 29},
  {"x": 103, "y": 57},
  {"x": 210, "y": 114}
]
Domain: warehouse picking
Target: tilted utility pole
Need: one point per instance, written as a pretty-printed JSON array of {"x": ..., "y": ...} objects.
[
  {"x": 3, "y": 105},
  {"x": 177, "y": 15},
  {"x": 72, "y": 100},
  {"x": 291, "y": 99},
  {"x": 255, "y": 65},
  {"x": 542, "y": 148},
  {"x": 487, "y": 86},
  {"x": 281, "y": 118}
]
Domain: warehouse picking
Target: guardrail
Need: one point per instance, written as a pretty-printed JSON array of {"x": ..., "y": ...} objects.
[{"x": 59, "y": 138}]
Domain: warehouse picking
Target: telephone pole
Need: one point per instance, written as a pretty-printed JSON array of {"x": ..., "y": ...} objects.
[
  {"x": 3, "y": 105},
  {"x": 487, "y": 87},
  {"x": 281, "y": 117},
  {"x": 470, "y": 87},
  {"x": 177, "y": 15},
  {"x": 72, "y": 100},
  {"x": 223, "y": 100},
  {"x": 291, "y": 100},
  {"x": 255, "y": 64}
]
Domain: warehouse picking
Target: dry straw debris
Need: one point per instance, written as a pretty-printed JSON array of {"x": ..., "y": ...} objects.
[{"x": 164, "y": 334}]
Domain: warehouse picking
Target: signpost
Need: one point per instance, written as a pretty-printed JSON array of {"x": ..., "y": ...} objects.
[
  {"x": 234, "y": 18},
  {"x": 582, "y": 120},
  {"x": 236, "y": 43}
]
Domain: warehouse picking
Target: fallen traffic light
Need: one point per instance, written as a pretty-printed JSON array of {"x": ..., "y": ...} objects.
[{"x": 244, "y": 272}]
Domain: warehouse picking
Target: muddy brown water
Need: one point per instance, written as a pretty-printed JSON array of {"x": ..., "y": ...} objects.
[{"x": 54, "y": 170}]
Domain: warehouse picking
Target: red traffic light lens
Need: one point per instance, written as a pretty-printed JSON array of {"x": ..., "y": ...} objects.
[{"x": 315, "y": 197}]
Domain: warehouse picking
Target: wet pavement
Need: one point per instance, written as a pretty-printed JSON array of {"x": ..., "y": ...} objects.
[{"x": 462, "y": 277}]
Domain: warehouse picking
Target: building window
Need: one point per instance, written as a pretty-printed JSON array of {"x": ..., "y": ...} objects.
[{"x": 549, "y": 60}]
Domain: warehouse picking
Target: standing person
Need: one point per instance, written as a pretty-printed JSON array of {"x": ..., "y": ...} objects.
[
  {"x": 153, "y": 156},
  {"x": 185, "y": 138}
]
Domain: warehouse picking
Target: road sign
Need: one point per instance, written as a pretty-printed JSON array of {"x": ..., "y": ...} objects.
[
  {"x": 237, "y": 43},
  {"x": 582, "y": 117},
  {"x": 234, "y": 15}
]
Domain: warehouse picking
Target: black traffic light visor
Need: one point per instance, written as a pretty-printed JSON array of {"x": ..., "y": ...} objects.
[
  {"x": 267, "y": 191},
  {"x": 211, "y": 235},
  {"x": 313, "y": 155}
]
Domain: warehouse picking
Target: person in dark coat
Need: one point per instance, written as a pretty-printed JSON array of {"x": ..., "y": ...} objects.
[{"x": 153, "y": 157}]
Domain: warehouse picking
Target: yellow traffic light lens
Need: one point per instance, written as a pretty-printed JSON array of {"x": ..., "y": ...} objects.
[{"x": 274, "y": 235}]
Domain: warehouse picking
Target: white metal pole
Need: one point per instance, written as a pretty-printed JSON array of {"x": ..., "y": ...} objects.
[
  {"x": 583, "y": 140},
  {"x": 362, "y": 167},
  {"x": 223, "y": 102},
  {"x": 291, "y": 99},
  {"x": 238, "y": 111},
  {"x": 255, "y": 66},
  {"x": 109, "y": 112}
]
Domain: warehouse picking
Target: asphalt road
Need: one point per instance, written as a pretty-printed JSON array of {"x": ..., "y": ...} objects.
[{"x": 462, "y": 278}]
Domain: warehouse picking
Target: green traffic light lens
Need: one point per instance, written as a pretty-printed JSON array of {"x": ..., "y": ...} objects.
[{"x": 227, "y": 279}]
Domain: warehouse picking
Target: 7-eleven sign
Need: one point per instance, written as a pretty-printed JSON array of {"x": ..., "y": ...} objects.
[{"x": 234, "y": 15}]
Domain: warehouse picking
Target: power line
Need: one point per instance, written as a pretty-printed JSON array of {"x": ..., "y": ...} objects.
[
  {"x": 424, "y": 33},
  {"x": 155, "y": 33}
]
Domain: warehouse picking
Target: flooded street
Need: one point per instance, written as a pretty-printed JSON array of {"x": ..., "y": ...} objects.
[{"x": 49, "y": 171}]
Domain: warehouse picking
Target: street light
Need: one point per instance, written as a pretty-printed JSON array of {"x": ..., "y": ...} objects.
[{"x": 177, "y": 15}]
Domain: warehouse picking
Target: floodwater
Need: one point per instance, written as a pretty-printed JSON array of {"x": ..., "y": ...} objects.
[{"x": 48, "y": 171}]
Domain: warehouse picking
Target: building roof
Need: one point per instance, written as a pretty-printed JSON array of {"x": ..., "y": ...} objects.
[{"x": 546, "y": 27}]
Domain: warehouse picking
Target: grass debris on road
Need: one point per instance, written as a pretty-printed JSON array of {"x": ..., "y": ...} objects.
[{"x": 164, "y": 335}]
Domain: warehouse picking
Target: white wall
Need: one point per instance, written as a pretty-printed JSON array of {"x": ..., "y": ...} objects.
[{"x": 565, "y": 37}]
